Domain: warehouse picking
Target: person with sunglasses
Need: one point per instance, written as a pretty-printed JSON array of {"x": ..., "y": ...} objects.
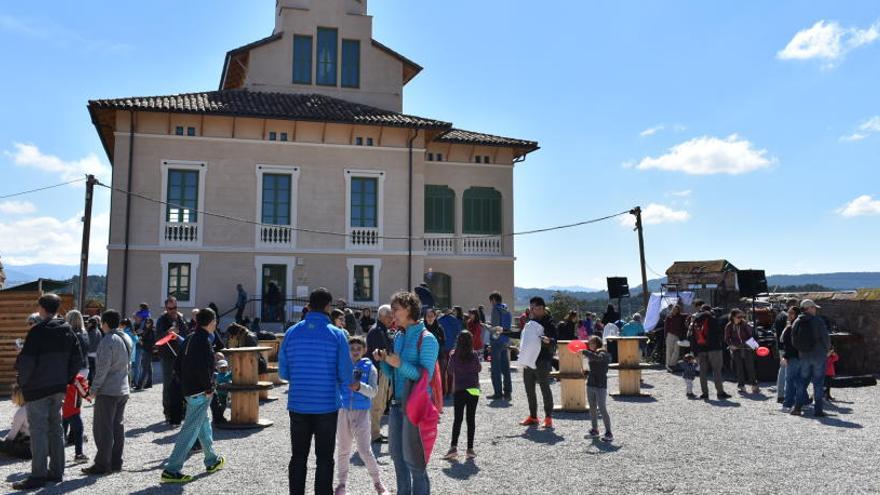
[
  {"x": 170, "y": 321},
  {"x": 736, "y": 335}
]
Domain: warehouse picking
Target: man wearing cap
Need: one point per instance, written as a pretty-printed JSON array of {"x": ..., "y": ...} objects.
[{"x": 813, "y": 341}]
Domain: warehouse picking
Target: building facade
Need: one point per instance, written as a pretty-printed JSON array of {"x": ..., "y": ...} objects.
[{"x": 299, "y": 172}]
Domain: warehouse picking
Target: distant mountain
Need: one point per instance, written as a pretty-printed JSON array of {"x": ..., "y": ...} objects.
[
  {"x": 835, "y": 281},
  {"x": 18, "y": 274},
  {"x": 572, "y": 288}
]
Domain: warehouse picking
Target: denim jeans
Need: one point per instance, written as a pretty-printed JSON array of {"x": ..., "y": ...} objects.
[
  {"x": 195, "y": 426},
  {"x": 812, "y": 371},
  {"x": 145, "y": 378},
  {"x": 780, "y": 382},
  {"x": 407, "y": 454},
  {"x": 793, "y": 382},
  {"x": 500, "y": 366},
  {"x": 302, "y": 428},
  {"x": 75, "y": 423},
  {"x": 47, "y": 435}
]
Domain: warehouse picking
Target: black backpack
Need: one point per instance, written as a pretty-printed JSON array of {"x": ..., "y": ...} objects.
[{"x": 803, "y": 335}]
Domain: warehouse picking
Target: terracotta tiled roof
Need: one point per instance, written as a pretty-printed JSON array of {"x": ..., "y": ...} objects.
[
  {"x": 290, "y": 106},
  {"x": 461, "y": 136}
]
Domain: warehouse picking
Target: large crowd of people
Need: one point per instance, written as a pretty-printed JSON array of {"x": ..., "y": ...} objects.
[{"x": 346, "y": 371}]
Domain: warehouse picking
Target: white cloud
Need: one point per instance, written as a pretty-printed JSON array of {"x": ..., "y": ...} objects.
[
  {"x": 865, "y": 129},
  {"x": 861, "y": 206},
  {"x": 17, "y": 207},
  {"x": 827, "y": 41},
  {"x": 681, "y": 194},
  {"x": 60, "y": 37},
  {"x": 650, "y": 131},
  {"x": 655, "y": 214},
  {"x": 52, "y": 240},
  {"x": 29, "y": 155},
  {"x": 710, "y": 155}
]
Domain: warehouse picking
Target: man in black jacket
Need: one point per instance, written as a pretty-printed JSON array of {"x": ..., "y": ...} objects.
[
  {"x": 195, "y": 366},
  {"x": 170, "y": 321},
  {"x": 49, "y": 361},
  {"x": 707, "y": 340}
]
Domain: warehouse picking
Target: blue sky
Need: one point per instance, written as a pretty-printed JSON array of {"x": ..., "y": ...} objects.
[{"x": 752, "y": 128}]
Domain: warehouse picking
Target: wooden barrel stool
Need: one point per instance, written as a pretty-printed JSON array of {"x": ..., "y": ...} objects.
[
  {"x": 245, "y": 389},
  {"x": 572, "y": 380}
]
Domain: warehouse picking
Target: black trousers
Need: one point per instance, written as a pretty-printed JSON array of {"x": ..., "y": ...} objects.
[
  {"x": 541, "y": 377},
  {"x": 464, "y": 401},
  {"x": 303, "y": 427}
]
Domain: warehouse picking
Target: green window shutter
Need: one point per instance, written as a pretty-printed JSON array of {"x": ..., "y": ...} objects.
[
  {"x": 276, "y": 199},
  {"x": 363, "y": 283},
  {"x": 364, "y": 202},
  {"x": 182, "y": 196},
  {"x": 179, "y": 280},
  {"x": 439, "y": 210},
  {"x": 482, "y": 211},
  {"x": 328, "y": 55},
  {"x": 351, "y": 63},
  {"x": 302, "y": 59}
]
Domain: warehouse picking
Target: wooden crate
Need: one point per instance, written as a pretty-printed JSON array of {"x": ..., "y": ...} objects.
[{"x": 15, "y": 307}]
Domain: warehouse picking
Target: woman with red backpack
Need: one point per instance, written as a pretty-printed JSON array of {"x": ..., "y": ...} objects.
[{"x": 412, "y": 363}]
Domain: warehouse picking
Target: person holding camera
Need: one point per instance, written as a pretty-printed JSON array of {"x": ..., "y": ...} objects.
[{"x": 353, "y": 424}]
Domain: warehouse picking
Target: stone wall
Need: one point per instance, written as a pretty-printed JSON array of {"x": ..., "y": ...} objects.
[{"x": 857, "y": 313}]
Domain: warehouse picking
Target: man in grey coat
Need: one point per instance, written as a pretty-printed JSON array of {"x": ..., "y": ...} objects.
[{"x": 110, "y": 390}]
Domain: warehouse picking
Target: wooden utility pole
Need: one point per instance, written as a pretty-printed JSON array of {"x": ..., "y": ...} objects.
[
  {"x": 84, "y": 254},
  {"x": 646, "y": 294}
]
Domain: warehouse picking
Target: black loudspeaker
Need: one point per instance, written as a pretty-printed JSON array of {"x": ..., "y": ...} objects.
[
  {"x": 751, "y": 282},
  {"x": 618, "y": 287}
]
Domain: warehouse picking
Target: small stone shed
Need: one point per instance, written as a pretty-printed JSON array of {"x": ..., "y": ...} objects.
[{"x": 855, "y": 312}]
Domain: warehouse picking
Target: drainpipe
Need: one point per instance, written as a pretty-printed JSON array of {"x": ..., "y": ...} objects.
[
  {"x": 409, "y": 264},
  {"x": 127, "y": 212}
]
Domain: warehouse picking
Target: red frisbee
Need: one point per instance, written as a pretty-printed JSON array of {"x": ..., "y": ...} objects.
[
  {"x": 577, "y": 346},
  {"x": 762, "y": 351},
  {"x": 164, "y": 340}
]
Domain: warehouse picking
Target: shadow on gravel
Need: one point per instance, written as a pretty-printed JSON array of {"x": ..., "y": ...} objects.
[
  {"x": 839, "y": 423},
  {"x": 755, "y": 397},
  {"x": 462, "y": 470},
  {"x": 153, "y": 428},
  {"x": 831, "y": 406},
  {"x": 161, "y": 489},
  {"x": 724, "y": 403},
  {"x": 500, "y": 404},
  {"x": 567, "y": 416},
  {"x": 547, "y": 437},
  {"x": 6, "y": 460},
  {"x": 633, "y": 398},
  {"x": 601, "y": 447}
]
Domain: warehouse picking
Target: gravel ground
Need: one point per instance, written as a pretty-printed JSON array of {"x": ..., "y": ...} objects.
[{"x": 663, "y": 444}]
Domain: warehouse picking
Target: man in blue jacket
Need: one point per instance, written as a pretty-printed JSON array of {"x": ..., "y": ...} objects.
[
  {"x": 499, "y": 343},
  {"x": 314, "y": 358}
]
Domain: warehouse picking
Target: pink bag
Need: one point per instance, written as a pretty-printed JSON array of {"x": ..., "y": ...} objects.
[
  {"x": 582, "y": 332},
  {"x": 421, "y": 411}
]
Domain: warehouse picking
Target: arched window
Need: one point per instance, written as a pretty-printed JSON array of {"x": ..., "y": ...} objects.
[
  {"x": 439, "y": 210},
  {"x": 482, "y": 211},
  {"x": 441, "y": 286}
]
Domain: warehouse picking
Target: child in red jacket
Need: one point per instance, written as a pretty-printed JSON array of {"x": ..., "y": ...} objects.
[
  {"x": 70, "y": 411},
  {"x": 830, "y": 372}
]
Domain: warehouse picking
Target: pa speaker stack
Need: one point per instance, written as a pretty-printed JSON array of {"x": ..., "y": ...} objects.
[
  {"x": 751, "y": 282},
  {"x": 618, "y": 287}
]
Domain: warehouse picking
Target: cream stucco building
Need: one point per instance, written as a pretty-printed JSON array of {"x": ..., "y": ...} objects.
[{"x": 301, "y": 171}]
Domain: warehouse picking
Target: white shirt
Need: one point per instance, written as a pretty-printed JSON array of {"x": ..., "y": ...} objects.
[
  {"x": 19, "y": 425},
  {"x": 610, "y": 330},
  {"x": 530, "y": 344}
]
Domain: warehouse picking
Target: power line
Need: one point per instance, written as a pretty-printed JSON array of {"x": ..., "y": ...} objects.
[
  {"x": 22, "y": 193},
  {"x": 346, "y": 234}
]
